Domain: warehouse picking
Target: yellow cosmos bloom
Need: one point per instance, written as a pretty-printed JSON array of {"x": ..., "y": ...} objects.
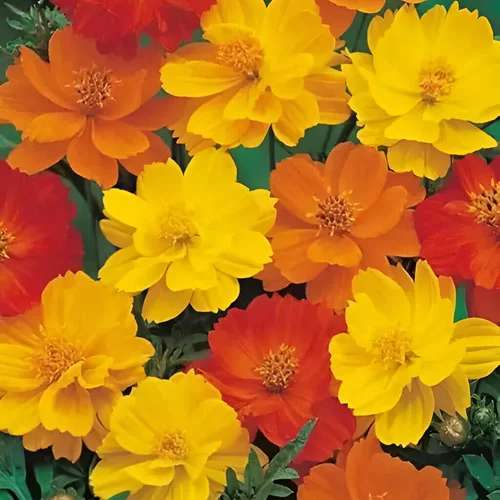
[
  {"x": 404, "y": 357},
  {"x": 187, "y": 237},
  {"x": 64, "y": 365},
  {"x": 170, "y": 440},
  {"x": 263, "y": 66},
  {"x": 426, "y": 81}
]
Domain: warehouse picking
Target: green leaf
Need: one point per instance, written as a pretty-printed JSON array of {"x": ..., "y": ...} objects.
[
  {"x": 120, "y": 496},
  {"x": 281, "y": 491},
  {"x": 232, "y": 482},
  {"x": 495, "y": 495},
  {"x": 286, "y": 474},
  {"x": 480, "y": 470},
  {"x": 44, "y": 473},
  {"x": 255, "y": 470},
  {"x": 12, "y": 467}
]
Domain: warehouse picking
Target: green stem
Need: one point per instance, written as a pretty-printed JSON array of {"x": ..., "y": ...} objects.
[
  {"x": 328, "y": 136},
  {"x": 348, "y": 128},
  {"x": 272, "y": 151}
]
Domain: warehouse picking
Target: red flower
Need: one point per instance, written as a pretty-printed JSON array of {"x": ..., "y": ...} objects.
[
  {"x": 37, "y": 241},
  {"x": 483, "y": 303},
  {"x": 270, "y": 363},
  {"x": 118, "y": 24},
  {"x": 459, "y": 227}
]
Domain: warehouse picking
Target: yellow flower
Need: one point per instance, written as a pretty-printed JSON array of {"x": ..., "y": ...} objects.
[
  {"x": 187, "y": 237},
  {"x": 262, "y": 66},
  {"x": 171, "y": 439},
  {"x": 404, "y": 357},
  {"x": 426, "y": 81},
  {"x": 64, "y": 364}
]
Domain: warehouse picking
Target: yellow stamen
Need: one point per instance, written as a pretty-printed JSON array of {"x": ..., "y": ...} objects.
[
  {"x": 176, "y": 227},
  {"x": 278, "y": 369},
  {"x": 5, "y": 239},
  {"x": 244, "y": 56},
  {"x": 94, "y": 87},
  {"x": 486, "y": 205},
  {"x": 392, "y": 347},
  {"x": 436, "y": 81},
  {"x": 173, "y": 446},
  {"x": 336, "y": 215}
]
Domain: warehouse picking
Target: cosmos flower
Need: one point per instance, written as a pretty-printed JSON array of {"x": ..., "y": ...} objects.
[
  {"x": 187, "y": 237},
  {"x": 171, "y": 439},
  {"x": 63, "y": 365},
  {"x": 404, "y": 358},
  {"x": 263, "y": 67},
  {"x": 96, "y": 110},
  {"x": 483, "y": 303},
  {"x": 37, "y": 240},
  {"x": 117, "y": 24},
  {"x": 425, "y": 84}
]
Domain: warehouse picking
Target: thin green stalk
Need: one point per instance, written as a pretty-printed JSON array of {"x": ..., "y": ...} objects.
[
  {"x": 272, "y": 150},
  {"x": 328, "y": 136},
  {"x": 348, "y": 128}
]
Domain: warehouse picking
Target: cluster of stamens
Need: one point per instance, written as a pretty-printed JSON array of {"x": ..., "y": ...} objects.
[
  {"x": 94, "y": 87},
  {"x": 392, "y": 347},
  {"x": 244, "y": 56},
  {"x": 172, "y": 446},
  {"x": 436, "y": 81},
  {"x": 336, "y": 215},
  {"x": 5, "y": 239},
  {"x": 278, "y": 369},
  {"x": 485, "y": 206}
]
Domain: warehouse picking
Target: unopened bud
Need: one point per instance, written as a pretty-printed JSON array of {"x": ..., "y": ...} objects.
[
  {"x": 62, "y": 496},
  {"x": 454, "y": 431},
  {"x": 484, "y": 418}
]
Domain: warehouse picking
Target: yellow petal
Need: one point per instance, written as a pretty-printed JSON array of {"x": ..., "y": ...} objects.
[
  {"x": 162, "y": 304},
  {"x": 126, "y": 207},
  {"x": 182, "y": 275},
  {"x": 219, "y": 297},
  {"x": 160, "y": 182},
  {"x": 460, "y": 138},
  {"x": 453, "y": 394},
  {"x": 412, "y": 126},
  {"x": 243, "y": 12},
  {"x": 144, "y": 274},
  {"x": 117, "y": 233},
  {"x": 433, "y": 372}
]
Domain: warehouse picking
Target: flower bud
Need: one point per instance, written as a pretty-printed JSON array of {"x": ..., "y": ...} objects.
[
  {"x": 454, "y": 431},
  {"x": 483, "y": 417}
]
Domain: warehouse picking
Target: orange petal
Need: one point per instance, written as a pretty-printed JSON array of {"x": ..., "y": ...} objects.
[
  {"x": 151, "y": 116},
  {"x": 413, "y": 185},
  {"x": 33, "y": 157},
  {"x": 383, "y": 215},
  {"x": 340, "y": 250},
  {"x": 335, "y": 163},
  {"x": 363, "y": 176},
  {"x": 322, "y": 481},
  {"x": 117, "y": 139},
  {"x": 367, "y": 6},
  {"x": 401, "y": 240},
  {"x": 332, "y": 287},
  {"x": 338, "y": 18},
  {"x": 298, "y": 184},
  {"x": 473, "y": 173},
  {"x": 40, "y": 76},
  {"x": 53, "y": 127},
  {"x": 85, "y": 159},
  {"x": 271, "y": 278},
  {"x": 158, "y": 151}
]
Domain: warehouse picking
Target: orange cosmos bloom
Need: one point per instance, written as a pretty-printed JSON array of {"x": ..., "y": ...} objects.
[
  {"x": 372, "y": 474},
  {"x": 93, "y": 109},
  {"x": 270, "y": 363},
  {"x": 336, "y": 218},
  {"x": 37, "y": 241}
]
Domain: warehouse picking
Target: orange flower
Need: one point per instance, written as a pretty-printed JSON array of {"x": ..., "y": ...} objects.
[
  {"x": 270, "y": 363},
  {"x": 338, "y": 18},
  {"x": 372, "y": 474},
  {"x": 91, "y": 108},
  {"x": 339, "y": 217},
  {"x": 368, "y": 6}
]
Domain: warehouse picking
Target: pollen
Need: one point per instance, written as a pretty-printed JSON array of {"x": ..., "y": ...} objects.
[
  {"x": 485, "y": 206},
  {"x": 392, "y": 347},
  {"x": 5, "y": 239},
  {"x": 436, "y": 81},
  {"x": 336, "y": 215},
  {"x": 176, "y": 227},
  {"x": 278, "y": 369},
  {"x": 94, "y": 87},
  {"x": 244, "y": 56},
  {"x": 57, "y": 357},
  {"x": 173, "y": 446}
]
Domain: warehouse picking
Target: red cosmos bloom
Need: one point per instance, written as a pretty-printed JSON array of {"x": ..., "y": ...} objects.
[
  {"x": 37, "y": 241},
  {"x": 459, "y": 227},
  {"x": 270, "y": 363},
  {"x": 117, "y": 24},
  {"x": 483, "y": 303}
]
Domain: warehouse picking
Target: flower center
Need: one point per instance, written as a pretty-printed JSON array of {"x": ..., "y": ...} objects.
[
  {"x": 378, "y": 497},
  {"x": 5, "y": 239},
  {"x": 278, "y": 369},
  {"x": 176, "y": 227},
  {"x": 486, "y": 205},
  {"x": 436, "y": 81},
  {"x": 173, "y": 446},
  {"x": 244, "y": 56},
  {"x": 94, "y": 87},
  {"x": 58, "y": 357},
  {"x": 392, "y": 347},
  {"x": 336, "y": 215}
]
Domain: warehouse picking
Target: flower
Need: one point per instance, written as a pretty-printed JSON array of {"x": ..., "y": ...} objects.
[
  {"x": 338, "y": 217},
  {"x": 91, "y": 108},
  {"x": 424, "y": 85},
  {"x": 270, "y": 362},
  {"x": 37, "y": 241},
  {"x": 367, "y": 6},
  {"x": 171, "y": 439},
  {"x": 263, "y": 66},
  {"x": 483, "y": 303},
  {"x": 459, "y": 226},
  {"x": 370, "y": 473},
  {"x": 336, "y": 17},
  {"x": 64, "y": 364},
  {"x": 187, "y": 238},
  {"x": 403, "y": 354},
  {"x": 118, "y": 24}
]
